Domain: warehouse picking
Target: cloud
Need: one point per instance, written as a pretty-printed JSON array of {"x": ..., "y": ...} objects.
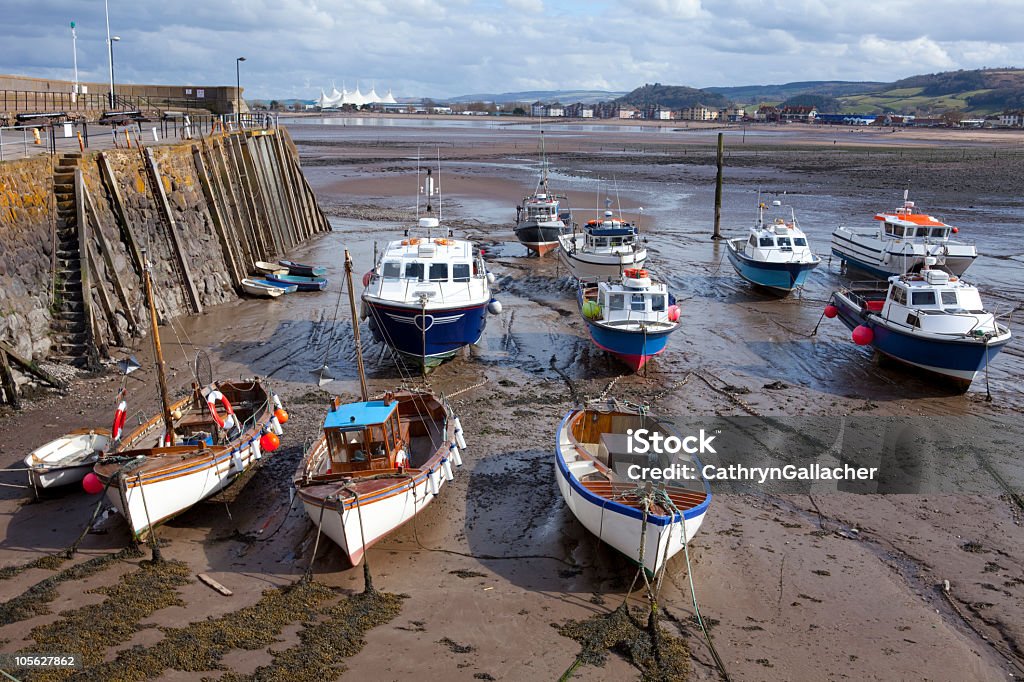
[{"x": 438, "y": 49}]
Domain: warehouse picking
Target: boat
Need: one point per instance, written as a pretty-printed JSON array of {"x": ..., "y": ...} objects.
[
  {"x": 286, "y": 288},
  {"x": 302, "y": 283},
  {"x": 67, "y": 459},
  {"x": 194, "y": 448},
  {"x": 594, "y": 470},
  {"x": 255, "y": 287},
  {"x": 606, "y": 247},
  {"x": 775, "y": 255},
  {"x": 930, "y": 320},
  {"x": 541, "y": 218},
  {"x": 377, "y": 463},
  {"x": 266, "y": 268},
  {"x": 303, "y": 270},
  {"x": 427, "y": 297},
  {"x": 900, "y": 244},
  {"x": 631, "y": 319}
]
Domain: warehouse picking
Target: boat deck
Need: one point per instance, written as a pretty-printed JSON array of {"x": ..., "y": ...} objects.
[{"x": 627, "y": 493}]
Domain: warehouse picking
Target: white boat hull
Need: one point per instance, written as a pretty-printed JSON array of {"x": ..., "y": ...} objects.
[
  {"x": 66, "y": 460},
  {"x": 884, "y": 258},
  {"x": 54, "y": 478},
  {"x": 359, "y": 527},
  {"x": 153, "y": 498},
  {"x": 597, "y": 266}
]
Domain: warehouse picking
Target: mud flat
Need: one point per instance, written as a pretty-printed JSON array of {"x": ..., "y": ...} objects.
[{"x": 792, "y": 586}]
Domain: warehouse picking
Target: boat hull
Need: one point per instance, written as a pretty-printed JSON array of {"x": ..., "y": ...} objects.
[
  {"x": 870, "y": 256},
  {"x": 632, "y": 348},
  {"x": 619, "y": 525},
  {"x": 779, "y": 277},
  {"x": 598, "y": 266},
  {"x": 956, "y": 360},
  {"x": 429, "y": 337},
  {"x": 539, "y": 237},
  {"x": 303, "y": 283},
  {"x": 55, "y": 478},
  {"x": 79, "y": 451}
]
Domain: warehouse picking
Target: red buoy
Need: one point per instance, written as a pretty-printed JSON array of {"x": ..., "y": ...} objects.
[
  {"x": 367, "y": 278},
  {"x": 831, "y": 311},
  {"x": 92, "y": 484},
  {"x": 281, "y": 415},
  {"x": 862, "y": 335},
  {"x": 956, "y": 230},
  {"x": 269, "y": 442},
  {"x": 673, "y": 313}
]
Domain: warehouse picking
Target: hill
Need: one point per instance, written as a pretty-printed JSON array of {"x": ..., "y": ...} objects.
[
  {"x": 529, "y": 96},
  {"x": 979, "y": 92},
  {"x": 674, "y": 96},
  {"x": 777, "y": 93}
]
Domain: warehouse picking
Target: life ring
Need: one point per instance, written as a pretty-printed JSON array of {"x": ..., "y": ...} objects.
[
  {"x": 120, "y": 417},
  {"x": 591, "y": 222},
  {"x": 413, "y": 241},
  {"x": 229, "y": 419},
  {"x": 630, "y": 273},
  {"x": 441, "y": 241}
]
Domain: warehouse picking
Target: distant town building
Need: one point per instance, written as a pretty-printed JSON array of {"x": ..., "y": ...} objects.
[
  {"x": 580, "y": 110},
  {"x": 627, "y": 111},
  {"x": 798, "y": 114},
  {"x": 1011, "y": 119},
  {"x": 698, "y": 113}
]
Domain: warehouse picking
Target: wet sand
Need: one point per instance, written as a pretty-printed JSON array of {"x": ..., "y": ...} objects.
[{"x": 802, "y": 587}]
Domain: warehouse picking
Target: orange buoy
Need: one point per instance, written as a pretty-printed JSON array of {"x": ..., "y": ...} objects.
[{"x": 281, "y": 415}]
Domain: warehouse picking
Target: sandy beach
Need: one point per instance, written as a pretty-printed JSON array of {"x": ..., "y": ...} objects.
[{"x": 824, "y": 585}]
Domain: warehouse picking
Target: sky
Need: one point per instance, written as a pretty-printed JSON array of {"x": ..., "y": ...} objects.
[{"x": 427, "y": 48}]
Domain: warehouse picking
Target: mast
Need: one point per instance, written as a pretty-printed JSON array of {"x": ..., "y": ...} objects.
[
  {"x": 544, "y": 163},
  {"x": 355, "y": 326},
  {"x": 158, "y": 355}
]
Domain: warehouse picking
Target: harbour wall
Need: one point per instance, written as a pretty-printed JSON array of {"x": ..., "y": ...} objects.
[{"x": 75, "y": 230}]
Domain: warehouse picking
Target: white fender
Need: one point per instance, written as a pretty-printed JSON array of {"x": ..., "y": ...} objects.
[
  {"x": 432, "y": 482},
  {"x": 446, "y": 468},
  {"x": 277, "y": 401},
  {"x": 255, "y": 447},
  {"x": 459, "y": 438},
  {"x": 236, "y": 461},
  {"x": 453, "y": 454},
  {"x": 275, "y": 426}
]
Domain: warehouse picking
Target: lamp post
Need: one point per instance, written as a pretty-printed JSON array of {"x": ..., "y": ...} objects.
[
  {"x": 113, "y": 39},
  {"x": 238, "y": 90},
  {"x": 110, "y": 54},
  {"x": 74, "y": 51}
]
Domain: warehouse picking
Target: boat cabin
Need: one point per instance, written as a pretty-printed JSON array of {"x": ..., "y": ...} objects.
[
  {"x": 905, "y": 224},
  {"x": 542, "y": 208},
  {"x": 438, "y": 260},
  {"x": 610, "y": 234},
  {"x": 364, "y": 436},
  {"x": 633, "y": 300},
  {"x": 934, "y": 301}
]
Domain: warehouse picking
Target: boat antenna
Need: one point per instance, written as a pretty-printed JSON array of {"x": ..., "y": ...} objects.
[
  {"x": 158, "y": 353},
  {"x": 355, "y": 327},
  {"x": 419, "y": 188},
  {"x": 543, "y": 161},
  {"x": 439, "y": 216}
]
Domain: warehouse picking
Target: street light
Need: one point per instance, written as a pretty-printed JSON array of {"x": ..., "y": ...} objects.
[
  {"x": 74, "y": 50},
  {"x": 113, "y": 40},
  {"x": 110, "y": 53},
  {"x": 238, "y": 89}
]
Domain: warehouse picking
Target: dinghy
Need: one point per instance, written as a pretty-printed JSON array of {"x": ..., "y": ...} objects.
[
  {"x": 266, "y": 268},
  {"x": 595, "y": 472},
  {"x": 196, "y": 447},
  {"x": 930, "y": 320},
  {"x": 67, "y": 459},
  {"x": 302, "y": 270},
  {"x": 377, "y": 463},
  {"x": 255, "y": 287},
  {"x": 286, "y": 288},
  {"x": 303, "y": 283}
]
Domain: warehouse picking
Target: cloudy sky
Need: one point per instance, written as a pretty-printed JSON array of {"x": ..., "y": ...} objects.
[{"x": 453, "y": 47}]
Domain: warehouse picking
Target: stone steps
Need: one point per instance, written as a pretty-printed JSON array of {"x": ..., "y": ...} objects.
[{"x": 71, "y": 333}]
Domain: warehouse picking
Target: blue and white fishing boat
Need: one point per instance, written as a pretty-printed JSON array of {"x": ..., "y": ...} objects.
[
  {"x": 775, "y": 254},
  {"x": 428, "y": 297},
  {"x": 604, "y": 249},
  {"x": 901, "y": 243},
  {"x": 930, "y": 320},
  {"x": 631, "y": 318},
  {"x": 607, "y": 487}
]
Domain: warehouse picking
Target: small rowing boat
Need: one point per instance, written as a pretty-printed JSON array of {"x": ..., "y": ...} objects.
[
  {"x": 286, "y": 288},
  {"x": 270, "y": 268},
  {"x": 67, "y": 459},
  {"x": 303, "y": 283},
  {"x": 594, "y": 466},
  {"x": 255, "y": 287},
  {"x": 303, "y": 270}
]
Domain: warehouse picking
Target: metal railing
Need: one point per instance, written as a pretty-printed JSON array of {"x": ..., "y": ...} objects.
[
  {"x": 22, "y": 141},
  {"x": 15, "y": 101}
]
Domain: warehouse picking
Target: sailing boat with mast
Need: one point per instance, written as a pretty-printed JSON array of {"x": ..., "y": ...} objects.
[
  {"x": 377, "y": 463},
  {"x": 542, "y": 216},
  {"x": 194, "y": 448}
]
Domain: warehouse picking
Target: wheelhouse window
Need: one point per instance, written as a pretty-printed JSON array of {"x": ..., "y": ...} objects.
[
  {"x": 391, "y": 270},
  {"x": 616, "y": 302},
  {"x": 899, "y": 295},
  {"x": 438, "y": 272},
  {"x": 897, "y": 230},
  {"x": 658, "y": 303},
  {"x": 949, "y": 298},
  {"x": 799, "y": 241},
  {"x": 460, "y": 272},
  {"x": 753, "y": 240},
  {"x": 414, "y": 271},
  {"x": 767, "y": 241},
  {"x": 784, "y": 242},
  {"x": 888, "y": 228},
  {"x": 939, "y": 232},
  {"x": 920, "y": 298},
  {"x": 637, "y": 303}
]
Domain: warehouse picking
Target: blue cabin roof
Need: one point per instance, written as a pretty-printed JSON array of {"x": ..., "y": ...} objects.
[
  {"x": 353, "y": 416},
  {"x": 611, "y": 231}
]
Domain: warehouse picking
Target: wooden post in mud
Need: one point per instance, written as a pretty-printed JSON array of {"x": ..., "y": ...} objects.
[
  {"x": 355, "y": 326},
  {"x": 7, "y": 380},
  {"x": 718, "y": 188}
]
